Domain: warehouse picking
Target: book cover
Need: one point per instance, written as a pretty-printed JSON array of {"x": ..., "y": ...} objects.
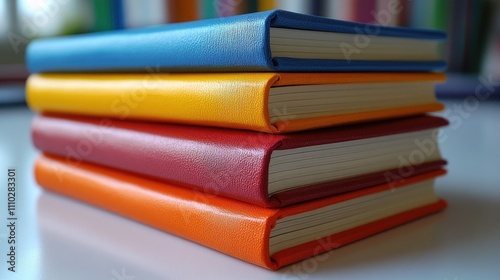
[
  {"x": 247, "y": 232},
  {"x": 264, "y": 102},
  {"x": 249, "y": 42},
  {"x": 260, "y": 169}
]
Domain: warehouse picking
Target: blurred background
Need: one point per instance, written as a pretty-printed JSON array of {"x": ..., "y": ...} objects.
[{"x": 473, "y": 26}]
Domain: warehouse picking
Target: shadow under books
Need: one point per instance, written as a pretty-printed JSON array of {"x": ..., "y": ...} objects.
[{"x": 82, "y": 241}]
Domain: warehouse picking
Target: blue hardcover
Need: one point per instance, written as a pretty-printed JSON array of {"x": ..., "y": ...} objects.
[{"x": 238, "y": 43}]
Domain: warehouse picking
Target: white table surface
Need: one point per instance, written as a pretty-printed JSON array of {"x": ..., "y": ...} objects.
[{"x": 58, "y": 238}]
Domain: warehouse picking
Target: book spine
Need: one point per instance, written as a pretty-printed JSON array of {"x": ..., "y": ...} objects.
[
  {"x": 236, "y": 101},
  {"x": 266, "y": 5},
  {"x": 234, "y": 171},
  {"x": 223, "y": 8},
  {"x": 179, "y": 211},
  {"x": 118, "y": 14},
  {"x": 457, "y": 34},
  {"x": 363, "y": 10},
  {"x": 388, "y": 13},
  {"x": 183, "y": 10},
  {"x": 145, "y": 13},
  {"x": 297, "y": 6},
  {"x": 340, "y": 9},
  {"x": 102, "y": 15},
  {"x": 207, "y": 9},
  {"x": 252, "y": 6}
]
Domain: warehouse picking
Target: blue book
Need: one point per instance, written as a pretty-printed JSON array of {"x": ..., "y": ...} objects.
[{"x": 265, "y": 41}]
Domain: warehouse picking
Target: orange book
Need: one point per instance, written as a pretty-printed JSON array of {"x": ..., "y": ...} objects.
[
  {"x": 183, "y": 10},
  {"x": 264, "y": 102},
  {"x": 270, "y": 238}
]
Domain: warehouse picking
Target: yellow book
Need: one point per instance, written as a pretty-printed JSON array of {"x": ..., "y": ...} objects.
[{"x": 266, "y": 102}]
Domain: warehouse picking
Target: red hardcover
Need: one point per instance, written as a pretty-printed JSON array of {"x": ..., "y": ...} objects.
[{"x": 230, "y": 163}]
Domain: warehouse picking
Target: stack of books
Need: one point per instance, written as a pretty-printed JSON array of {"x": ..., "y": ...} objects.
[{"x": 255, "y": 135}]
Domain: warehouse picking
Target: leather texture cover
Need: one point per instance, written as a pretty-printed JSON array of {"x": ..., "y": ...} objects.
[
  {"x": 229, "y": 163},
  {"x": 237, "y": 43},
  {"x": 231, "y": 100},
  {"x": 237, "y": 229}
]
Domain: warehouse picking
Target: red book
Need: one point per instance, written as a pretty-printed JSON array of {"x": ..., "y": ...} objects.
[
  {"x": 262, "y": 169},
  {"x": 364, "y": 10}
]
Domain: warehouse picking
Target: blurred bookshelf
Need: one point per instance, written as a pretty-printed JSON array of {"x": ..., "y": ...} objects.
[{"x": 473, "y": 26}]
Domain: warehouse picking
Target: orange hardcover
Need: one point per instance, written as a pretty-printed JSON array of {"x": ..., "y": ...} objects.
[
  {"x": 235, "y": 228},
  {"x": 230, "y": 100},
  {"x": 183, "y": 10}
]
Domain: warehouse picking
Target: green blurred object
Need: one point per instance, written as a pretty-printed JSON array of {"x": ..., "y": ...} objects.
[
  {"x": 440, "y": 18},
  {"x": 103, "y": 15},
  {"x": 224, "y": 8}
]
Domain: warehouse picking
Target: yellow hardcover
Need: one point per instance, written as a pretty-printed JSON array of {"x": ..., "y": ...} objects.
[
  {"x": 266, "y": 5},
  {"x": 230, "y": 100}
]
